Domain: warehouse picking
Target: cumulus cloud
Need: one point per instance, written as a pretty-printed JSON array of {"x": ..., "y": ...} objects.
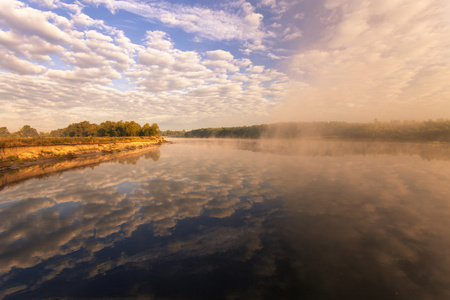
[
  {"x": 163, "y": 68},
  {"x": 368, "y": 60},
  {"x": 28, "y": 34},
  {"x": 219, "y": 55},
  {"x": 23, "y": 67},
  {"x": 204, "y": 81},
  {"x": 375, "y": 59},
  {"x": 47, "y": 56},
  {"x": 29, "y": 21},
  {"x": 79, "y": 75},
  {"x": 204, "y": 22},
  {"x": 37, "y": 35}
]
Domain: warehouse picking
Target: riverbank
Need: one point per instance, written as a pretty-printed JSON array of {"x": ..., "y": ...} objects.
[
  {"x": 22, "y": 156},
  {"x": 52, "y": 166}
]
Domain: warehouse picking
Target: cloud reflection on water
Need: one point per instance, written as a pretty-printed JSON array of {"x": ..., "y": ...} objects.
[
  {"x": 85, "y": 210},
  {"x": 383, "y": 220}
]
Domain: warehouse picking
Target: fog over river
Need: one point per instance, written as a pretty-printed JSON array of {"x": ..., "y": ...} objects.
[{"x": 235, "y": 219}]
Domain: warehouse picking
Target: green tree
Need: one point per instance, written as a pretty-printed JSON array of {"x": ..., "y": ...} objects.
[
  {"x": 4, "y": 132},
  {"x": 27, "y": 131},
  {"x": 120, "y": 128},
  {"x": 132, "y": 128},
  {"x": 57, "y": 133},
  {"x": 145, "y": 130},
  {"x": 81, "y": 129},
  {"x": 148, "y": 130},
  {"x": 154, "y": 130},
  {"x": 174, "y": 133},
  {"x": 107, "y": 128}
]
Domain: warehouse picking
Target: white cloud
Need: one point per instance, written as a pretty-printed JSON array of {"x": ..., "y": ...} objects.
[
  {"x": 256, "y": 69},
  {"x": 28, "y": 21},
  {"x": 32, "y": 35},
  {"x": 205, "y": 23},
  {"x": 221, "y": 66},
  {"x": 85, "y": 75},
  {"x": 204, "y": 83},
  {"x": 291, "y": 33},
  {"x": 162, "y": 83},
  {"x": 158, "y": 40},
  {"x": 30, "y": 47},
  {"x": 276, "y": 25},
  {"x": 163, "y": 68},
  {"x": 270, "y": 3},
  {"x": 219, "y": 55},
  {"x": 10, "y": 62},
  {"x": 278, "y": 7}
]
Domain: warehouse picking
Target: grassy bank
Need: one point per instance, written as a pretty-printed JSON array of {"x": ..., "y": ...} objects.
[
  {"x": 8, "y": 142},
  {"x": 16, "y": 172},
  {"x": 20, "y": 152}
]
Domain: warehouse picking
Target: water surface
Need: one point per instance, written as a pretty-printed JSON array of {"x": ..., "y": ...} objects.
[{"x": 235, "y": 219}]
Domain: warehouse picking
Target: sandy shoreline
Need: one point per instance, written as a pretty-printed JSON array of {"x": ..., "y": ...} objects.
[
  {"x": 12, "y": 158},
  {"x": 49, "y": 166}
]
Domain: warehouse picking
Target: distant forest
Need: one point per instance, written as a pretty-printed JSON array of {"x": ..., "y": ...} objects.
[
  {"x": 438, "y": 130},
  {"x": 86, "y": 129}
]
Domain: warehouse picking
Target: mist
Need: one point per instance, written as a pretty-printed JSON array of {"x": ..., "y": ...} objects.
[
  {"x": 375, "y": 59},
  {"x": 308, "y": 219}
]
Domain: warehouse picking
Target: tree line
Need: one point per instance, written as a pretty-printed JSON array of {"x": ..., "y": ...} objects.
[
  {"x": 174, "y": 133},
  {"x": 25, "y": 131},
  {"x": 438, "y": 130},
  {"x": 86, "y": 129}
]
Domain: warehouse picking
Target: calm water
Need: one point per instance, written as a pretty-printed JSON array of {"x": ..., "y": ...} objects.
[{"x": 202, "y": 219}]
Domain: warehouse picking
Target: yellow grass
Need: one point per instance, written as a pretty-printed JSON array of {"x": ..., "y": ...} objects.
[{"x": 50, "y": 141}]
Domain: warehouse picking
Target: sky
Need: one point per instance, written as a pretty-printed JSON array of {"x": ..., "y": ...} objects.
[{"x": 193, "y": 64}]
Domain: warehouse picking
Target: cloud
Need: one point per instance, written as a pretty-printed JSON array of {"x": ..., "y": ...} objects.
[
  {"x": 291, "y": 33},
  {"x": 278, "y": 7},
  {"x": 37, "y": 35},
  {"x": 217, "y": 76},
  {"x": 48, "y": 58},
  {"x": 163, "y": 68},
  {"x": 29, "y": 21},
  {"x": 23, "y": 67},
  {"x": 375, "y": 59},
  {"x": 270, "y": 3},
  {"x": 28, "y": 34},
  {"x": 205, "y": 23},
  {"x": 219, "y": 55},
  {"x": 82, "y": 75}
]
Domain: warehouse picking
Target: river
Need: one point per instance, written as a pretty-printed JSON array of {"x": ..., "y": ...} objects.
[{"x": 235, "y": 219}]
